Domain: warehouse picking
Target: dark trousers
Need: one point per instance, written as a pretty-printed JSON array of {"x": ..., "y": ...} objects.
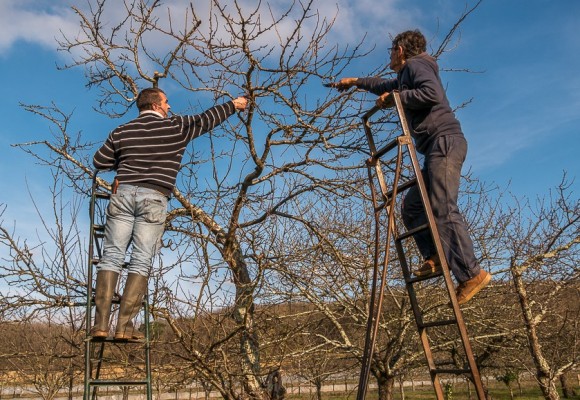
[{"x": 442, "y": 173}]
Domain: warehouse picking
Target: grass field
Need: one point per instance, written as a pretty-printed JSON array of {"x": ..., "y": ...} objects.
[{"x": 458, "y": 392}]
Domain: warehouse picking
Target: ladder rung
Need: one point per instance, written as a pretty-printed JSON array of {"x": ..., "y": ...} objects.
[
  {"x": 115, "y": 300},
  {"x": 102, "y": 195},
  {"x": 449, "y": 371},
  {"x": 111, "y": 339},
  {"x": 404, "y": 186},
  {"x": 438, "y": 323},
  {"x": 412, "y": 231},
  {"x": 401, "y": 188},
  {"x": 424, "y": 278},
  {"x": 96, "y": 260},
  {"x": 110, "y": 382},
  {"x": 382, "y": 151}
]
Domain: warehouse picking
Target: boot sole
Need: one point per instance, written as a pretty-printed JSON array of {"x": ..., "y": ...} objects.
[
  {"x": 127, "y": 338},
  {"x": 99, "y": 335},
  {"x": 420, "y": 273}
]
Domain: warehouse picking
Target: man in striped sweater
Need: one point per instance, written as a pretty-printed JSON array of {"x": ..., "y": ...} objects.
[{"x": 146, "y": 153}]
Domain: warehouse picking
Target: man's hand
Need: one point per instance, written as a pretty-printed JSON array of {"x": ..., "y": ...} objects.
[
  {"x": 385, "y": 101},
  {"x": 344, "y": 84},
  {"x": 240, "y": 103}
]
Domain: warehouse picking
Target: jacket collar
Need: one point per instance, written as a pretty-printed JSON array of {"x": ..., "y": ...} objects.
[{"x": 151, "y": 112}]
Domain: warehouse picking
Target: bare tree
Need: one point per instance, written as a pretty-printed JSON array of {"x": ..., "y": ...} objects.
[
  {"x": 271, "y": 208},
  {"x": 43, "y": 296},
  {"x": 544, "y": 244},
  {"x": 221, "y": 206},
  {"x": 40, "y": 356}
]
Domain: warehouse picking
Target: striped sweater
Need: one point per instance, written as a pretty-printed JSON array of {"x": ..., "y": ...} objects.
[{"x": 147, "y": 151}]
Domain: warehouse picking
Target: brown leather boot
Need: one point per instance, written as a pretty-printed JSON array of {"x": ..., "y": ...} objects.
[
  {"x": 466, "y": 290},
  {"x": 431, "y": 266},
  {"x": 135, "y": 289},
  {"x": 104, "y": 289}
]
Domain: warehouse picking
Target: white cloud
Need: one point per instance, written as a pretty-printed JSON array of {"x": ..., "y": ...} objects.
[
  {"x": 42, "y": 24},
  {"x": 25, "y": 20}
]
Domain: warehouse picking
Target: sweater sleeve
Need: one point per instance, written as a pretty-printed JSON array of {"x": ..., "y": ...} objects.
[
  {"x": 104, "y": 158},
  {"x": 426, "y": 91},
  {"x": 377, "y": 85},
  {"x": 196, "y": 125}
]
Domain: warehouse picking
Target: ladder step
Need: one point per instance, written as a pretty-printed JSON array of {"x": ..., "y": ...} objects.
[
  {"x": 115, "y": 300},
  {"x": 413, "y": 231},
  {"x": 438, "y": 323},
  {"x": 404, "y": 186},
  {"x": 110, "y": 382},
  {"x": 98, "y": 229},
  {"x": 400, "y": 189},
  {"x": 102, "y": 195},
  {"x": 423, "y": 278},
  {"x": 96, "y": 260},
  {"x": 450, "y": 371},
  {"x": 111, "y": 339},
  {"x": 382, "y": 151}
]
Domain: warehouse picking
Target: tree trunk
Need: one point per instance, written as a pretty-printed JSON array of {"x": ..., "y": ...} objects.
[
  {"x": 567, "y": 390},
  {"x": 386, "y": 386},
  {"x": 548, "y": 387},
  {"x": 244, "y": 302},
  {"x": 274, "y": 385},
  {"x": 543, "y": 372},
  {"x": 318, "y": 390},
  {"x": 244, "y": 317},
  {"x": 402, "y": 387}
]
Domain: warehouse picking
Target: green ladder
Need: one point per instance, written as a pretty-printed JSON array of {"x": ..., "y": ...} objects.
[
  {"x": 95, "y": 350},
  {"x": 405, "y": 150}
]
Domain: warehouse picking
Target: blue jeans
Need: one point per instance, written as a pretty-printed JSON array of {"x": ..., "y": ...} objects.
[
  {"x": 442, "y": 173},
  {"x": 135, "y": 215}
]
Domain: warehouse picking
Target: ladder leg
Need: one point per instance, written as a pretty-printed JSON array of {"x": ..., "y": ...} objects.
[
  {"x": 374, "y": 315},
  {"x": 372, "y": 319}
]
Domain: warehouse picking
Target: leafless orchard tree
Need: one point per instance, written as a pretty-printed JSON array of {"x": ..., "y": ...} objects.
[
  {"x": 40, "y": 286},
  {"x": 265, "y": 162},
  {"x": 40, "y": 358},
  {"x": 544, "y": 243},
  {"x": 269, "y": 208},
  {"x": 327, "y": 264}
]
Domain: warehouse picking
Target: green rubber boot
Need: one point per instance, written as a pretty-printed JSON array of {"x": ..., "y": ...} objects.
[{"x": 135, "y": 289}]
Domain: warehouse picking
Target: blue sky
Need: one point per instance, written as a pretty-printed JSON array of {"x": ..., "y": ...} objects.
[{"x": 522, "y": 125}]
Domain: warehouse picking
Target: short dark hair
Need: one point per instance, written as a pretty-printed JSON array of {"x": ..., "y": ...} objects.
[
  {"x": 148, "y": 97},
  {"x": 413, "y": 42}
]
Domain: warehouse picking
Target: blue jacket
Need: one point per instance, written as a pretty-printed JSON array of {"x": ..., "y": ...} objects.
[{"x": 426, "y": 106}]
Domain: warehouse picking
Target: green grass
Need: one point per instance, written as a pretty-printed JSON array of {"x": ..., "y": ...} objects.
[{"x": 497, "y": 390}]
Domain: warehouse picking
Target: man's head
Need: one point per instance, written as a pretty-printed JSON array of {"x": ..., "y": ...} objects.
[
  {"x": 153, "y": 99},
  {"x": 406, "y": 45}
]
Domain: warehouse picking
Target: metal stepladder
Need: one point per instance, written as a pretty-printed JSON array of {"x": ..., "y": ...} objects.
[
  {"x": 100, "y": 359},
  {"x": 405, "y": 149}
]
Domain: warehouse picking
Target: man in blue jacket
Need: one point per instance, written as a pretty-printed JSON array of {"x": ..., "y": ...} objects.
[{"x": 438, "y": 135}]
